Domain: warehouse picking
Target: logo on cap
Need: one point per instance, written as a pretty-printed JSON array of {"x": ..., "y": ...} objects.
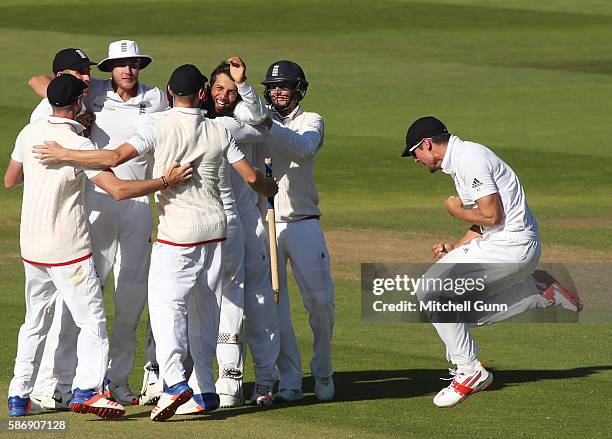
[
  {"x": 124, "y": 46},
  {"x": 81, "y": 54},
  {"x": 275, "y": 70}
]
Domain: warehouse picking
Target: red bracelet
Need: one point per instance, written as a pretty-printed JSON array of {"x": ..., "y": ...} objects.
[{"x": 164, "y": 181}]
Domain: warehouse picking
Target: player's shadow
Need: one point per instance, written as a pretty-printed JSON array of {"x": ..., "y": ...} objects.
[{"x": 385, "y": 384}]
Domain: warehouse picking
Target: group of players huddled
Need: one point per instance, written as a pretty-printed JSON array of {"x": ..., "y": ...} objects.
[{"x": 93, "y": 151}]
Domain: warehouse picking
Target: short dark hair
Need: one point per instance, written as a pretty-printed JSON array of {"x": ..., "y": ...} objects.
[
  {"x": 223, "y": 67},
  {"x": 440, "y": 138}
]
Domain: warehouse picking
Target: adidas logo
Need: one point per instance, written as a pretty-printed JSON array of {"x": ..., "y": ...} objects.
[{"x": 476, "y": 183}]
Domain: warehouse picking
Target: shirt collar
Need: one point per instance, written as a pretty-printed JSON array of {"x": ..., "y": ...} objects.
[
  {"x": 112, "y": 94},
  {"x": 73, "y": 124},
  {"x": 446, "y": 161},
  {"x": 196, "y": 111},
  {"x": 295, "y": 113}
]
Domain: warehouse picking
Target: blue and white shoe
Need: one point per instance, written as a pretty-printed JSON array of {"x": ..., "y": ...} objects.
[
  {"x": 18, "y": 406},
  {"x": 200, "y": 403},
  {"x": 172, "y": 398},
  {"x": 90, "y": 401}
]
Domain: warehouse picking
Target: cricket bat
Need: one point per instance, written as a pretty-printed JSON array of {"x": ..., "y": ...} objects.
[{"x": 272, "y": 236}]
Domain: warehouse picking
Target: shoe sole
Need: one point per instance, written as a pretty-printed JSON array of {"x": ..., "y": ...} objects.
[
  {"x": 573, "y": 297},
  {"x": 102, "y": 412},
  {"x": 486, "y": 383},
  {"x": 169, "y": 411},
  {"x": 148, "y": 401}
]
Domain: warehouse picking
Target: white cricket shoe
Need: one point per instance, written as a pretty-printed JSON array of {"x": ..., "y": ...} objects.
[
  {"x": 152, "y": 386},
  {"x": 170, "y": 400},
  {"x": 288, "y": 395},
  {"x": 199, "y": 404},
  {"x": 324, "y": 388},
  {"x": 122, "y": 394},
  {"x": 462, "y": 386},
  {"x": 231, "y": 400},
  {"x": 59, "y": 401},
  {"x": 262, "y": 395}
]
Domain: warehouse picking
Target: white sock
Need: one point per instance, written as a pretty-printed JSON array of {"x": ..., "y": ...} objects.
[{"x": 468, "y": 367}]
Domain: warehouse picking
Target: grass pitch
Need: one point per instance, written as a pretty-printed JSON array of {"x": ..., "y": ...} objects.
[{"x": 531, "y": 81}]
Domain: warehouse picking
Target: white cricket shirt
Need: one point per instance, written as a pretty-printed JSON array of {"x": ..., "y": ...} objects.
[
  {"x": 53, "y": 227},
  {"x": 478, "y": 172},
  {"x": 191, "y": 213},
  {"x": 117, "y": 120},
  {"x": 293, "y": 143}
]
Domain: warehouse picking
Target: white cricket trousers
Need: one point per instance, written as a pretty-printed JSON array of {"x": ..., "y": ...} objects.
[
  {"x": 120, "y": 233},
  {"x": 230, "y": 352},
  {"x": 303, "y": 244},
  {"x": 79, "y": 288},
  {"x": 59, "y": 359},
  {"x": 508, "y": 269},
  {"x": 185, "y": 286},
  {"x": 260, "y": 309}
]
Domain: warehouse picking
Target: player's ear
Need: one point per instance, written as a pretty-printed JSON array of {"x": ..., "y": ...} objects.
[{"x": 202, "y": 93}]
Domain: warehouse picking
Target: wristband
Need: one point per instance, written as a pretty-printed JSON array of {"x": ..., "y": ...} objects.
[{"x": 165, "y": 182}]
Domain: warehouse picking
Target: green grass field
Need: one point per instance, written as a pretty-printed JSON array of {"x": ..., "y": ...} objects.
[{"x": 532, "y": 81}]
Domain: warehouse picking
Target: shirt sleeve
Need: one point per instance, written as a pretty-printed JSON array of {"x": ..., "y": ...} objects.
[
  {"x": 232, "y": 152},
  {"x": 304, "y": 143},
  {"x": 250, "y": 109},
  {"x": 477, "y": 177},
  {"x": 145, "y": 138},
  {"x": 89, "y": 173},
  {"x": 43, "y": 109},
  {"x": 242, "y": 132},
  {"x": 17, "y": 153}
]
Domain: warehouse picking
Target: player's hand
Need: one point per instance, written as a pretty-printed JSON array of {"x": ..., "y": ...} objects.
[
  {"x": 176, "y": 173},
  {"x": 271, "y": 187},
  {"x": 49, "y": 153},
  {"x": 453, "y": 204},
  {"x": 237, "y": 69},
  {"x": 440, "y": 249},
  {"x": 86, "y": 119}
]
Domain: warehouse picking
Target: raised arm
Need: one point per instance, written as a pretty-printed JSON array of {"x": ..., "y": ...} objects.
[
  {"x": 251, "y": 109},
  {"x": 39, "y": 84}
]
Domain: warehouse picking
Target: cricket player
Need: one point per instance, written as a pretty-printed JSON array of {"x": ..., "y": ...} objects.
[
  {"x": 58, "y": 363},
  {"x": 185, "y": 279},
  {"x": 121, "y": 230},
  {"x": 503, "y": 237},
  {"x": 57, "y": 253},
  {"x": 294, "y": 138},
  {"x": 247, "y": 287}
]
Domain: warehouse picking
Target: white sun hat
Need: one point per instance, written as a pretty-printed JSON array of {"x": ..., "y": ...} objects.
[{"x": 123, "y": 49}]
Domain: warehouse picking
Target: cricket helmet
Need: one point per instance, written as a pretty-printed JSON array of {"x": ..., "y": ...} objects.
[{"x": 285, "y": 71}]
